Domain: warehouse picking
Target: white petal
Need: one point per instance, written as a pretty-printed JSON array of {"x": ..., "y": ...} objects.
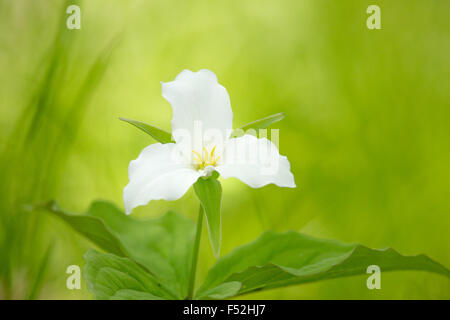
[
  {"x": 159, "y": 173},
  {"x": 197, "y": 99},
  {"x": 256, "y": 162}
]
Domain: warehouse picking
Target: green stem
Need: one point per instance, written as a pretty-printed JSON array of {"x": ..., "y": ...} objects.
[{"x": 195, "y": 253}]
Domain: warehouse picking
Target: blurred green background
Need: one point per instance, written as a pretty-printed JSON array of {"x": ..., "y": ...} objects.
[{"x": 366, "y": 128}]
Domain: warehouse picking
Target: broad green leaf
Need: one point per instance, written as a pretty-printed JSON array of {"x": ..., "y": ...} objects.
[
  {"x": 112, "y": 277},
  {"x": 222, "y": 291},
  {"x": 209, "y": 192},
  {"x": 162, "y": 246},
  {"x": 158, "y": 134},
  {"x": 91, "y": 227},
  {"x": 282, "y": 259},
  {"x": 258, "y": 124}
]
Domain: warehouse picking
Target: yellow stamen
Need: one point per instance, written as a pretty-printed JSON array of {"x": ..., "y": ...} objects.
[
  {"x": 205, "y": 159},
  {"x": 197, "y": 154}
]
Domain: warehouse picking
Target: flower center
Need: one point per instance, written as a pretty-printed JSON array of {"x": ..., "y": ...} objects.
[{"x": 205, "y": 159}]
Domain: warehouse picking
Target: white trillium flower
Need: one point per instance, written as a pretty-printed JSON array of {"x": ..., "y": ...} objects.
[{"x": 201, "y": 128}]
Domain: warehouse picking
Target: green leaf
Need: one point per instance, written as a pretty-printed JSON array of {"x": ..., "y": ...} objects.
[
  {"x": 209, "y": 192},
  {"x": 283, "y": 259},
  {"x": 157, "y": 133},
  {"x": 258, "y": 124},
  {"x": 222, "y": 291},
  {"x": 91, "y": 227},
  {"x": 162, "y": 246},
  {"x": 112, "y": 277}
]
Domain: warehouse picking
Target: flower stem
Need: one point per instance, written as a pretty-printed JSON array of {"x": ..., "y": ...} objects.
[{"x": 195, "y": 253}]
